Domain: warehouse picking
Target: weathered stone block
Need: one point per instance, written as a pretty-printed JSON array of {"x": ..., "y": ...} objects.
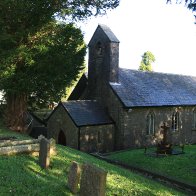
[
  {"x": 26, "y": 148},
  {"x": 18, "y": 142},
  {"x": 93, "y": 181},
  {"x": 74, "y": 177},
  {"x": 44, "y": 153},
  {"x": 52, "y": 146}
]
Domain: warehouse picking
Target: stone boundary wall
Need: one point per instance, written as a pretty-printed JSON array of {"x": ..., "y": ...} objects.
[{"x": 24, "y": 146}]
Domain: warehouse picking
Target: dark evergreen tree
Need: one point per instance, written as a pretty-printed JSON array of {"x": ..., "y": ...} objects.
[{"x": 38, "y": 56}]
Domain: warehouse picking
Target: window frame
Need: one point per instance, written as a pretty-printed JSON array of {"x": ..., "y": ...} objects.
[
  {"x": 194, "y": 118},
  {"x": 99, "y": 137},
  {"x": 150, "y": 128},
  {"x": 175, "y": 121},
  {"x": 99, "y": 49}
]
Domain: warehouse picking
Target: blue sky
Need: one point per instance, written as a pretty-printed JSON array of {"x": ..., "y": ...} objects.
[{"x": 168, "y": 31}]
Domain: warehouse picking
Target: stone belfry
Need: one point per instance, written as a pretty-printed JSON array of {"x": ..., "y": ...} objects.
[{"x": 103, "y": 65}]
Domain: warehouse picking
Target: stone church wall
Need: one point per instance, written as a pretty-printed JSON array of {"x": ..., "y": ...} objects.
[
  {"x": 135, "y": 126},
  {"x": 130, "y": 124},
  {"x": 61, "y": 121},
  {"x": 89, "y": 141},
  {"x": 117, "y": 113}
]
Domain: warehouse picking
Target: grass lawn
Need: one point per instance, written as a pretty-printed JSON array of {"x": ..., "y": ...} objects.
[
  {"x": 6, "y": 132},
  {"x": 181, "y": 167},
  {"x": 21, "y": 175}
]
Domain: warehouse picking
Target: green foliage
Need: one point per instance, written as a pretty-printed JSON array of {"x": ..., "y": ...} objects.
[
  {"x": 147, "y": 59},
  {"x": 22, "y": 175},
  {"x": 179, "y": 167},
  {"x": 24, "y": 13},
  {"x": 43, "y": 66},
  {"x": 38, "y": 57}
]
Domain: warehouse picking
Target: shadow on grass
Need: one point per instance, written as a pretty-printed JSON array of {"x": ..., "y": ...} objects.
[
  {"x": 22, "y": 175},
  {"x": 179, "y": 167},
  {"x": 119, "y": 181}
]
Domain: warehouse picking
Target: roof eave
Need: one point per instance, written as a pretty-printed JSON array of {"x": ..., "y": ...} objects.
[
  {"x": 152, "y": 106},
  {"x": 98, "y": 124}
]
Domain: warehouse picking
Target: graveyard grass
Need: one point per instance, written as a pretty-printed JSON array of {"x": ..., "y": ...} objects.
[
  {"x": 22, "y": 175},
  {"x": 179, "y": 167}
]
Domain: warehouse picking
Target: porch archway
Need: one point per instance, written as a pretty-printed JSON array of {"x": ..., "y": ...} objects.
[{"x": 62, "y": 138}]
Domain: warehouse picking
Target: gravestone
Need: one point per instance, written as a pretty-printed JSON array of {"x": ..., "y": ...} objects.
[
  {"x": 52, "y": 146},
  {"x": 165, "y": 128},
  {"x": 164, "y": 147},
  {"x": 93, "y": 181},
  {"x": 74, "y": 177},
  {"x": 44, "y": 153}
]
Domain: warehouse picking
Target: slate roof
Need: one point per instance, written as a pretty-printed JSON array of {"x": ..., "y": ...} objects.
[
  {"x": 37, "y": 131},
  {"x": 86, "y": 112},
  {"x": 137, "y": 88},
  {"x": 79, "y": 88},
  {"x": 107, "y": 31},
  {"x": 38, "y": 119}
]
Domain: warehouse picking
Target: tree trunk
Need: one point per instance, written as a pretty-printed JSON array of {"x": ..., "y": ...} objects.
[{"x": 16, "y": 112}]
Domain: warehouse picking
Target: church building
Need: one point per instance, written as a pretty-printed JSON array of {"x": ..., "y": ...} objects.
[{"x": 121, "y": 108}]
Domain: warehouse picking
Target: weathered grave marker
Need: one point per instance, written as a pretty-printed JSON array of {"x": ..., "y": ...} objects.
[
  {"x": 74, "y": 177},
  {"x": 52, "y": 146},
  {"x": 93, "y": 181},
  {"x": 164, "y": 147},
  {"x": 44, "y": 153},
  {"x": 8, "y": 147}
]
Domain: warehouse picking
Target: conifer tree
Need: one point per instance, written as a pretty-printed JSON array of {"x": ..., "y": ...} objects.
[{"x": 39, "y": 56}]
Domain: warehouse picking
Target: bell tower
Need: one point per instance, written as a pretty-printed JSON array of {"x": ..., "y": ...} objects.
[{"x": 103, "y": 65}]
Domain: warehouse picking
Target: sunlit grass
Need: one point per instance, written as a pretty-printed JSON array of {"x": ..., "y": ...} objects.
[{"x": 22, "y": 175}]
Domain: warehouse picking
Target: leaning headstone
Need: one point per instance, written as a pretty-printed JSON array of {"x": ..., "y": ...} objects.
[
  {"x": 44, "y": 153},
  {"x": 74, "y": 177},
  {"x": 52, "y": 146},
  {"x": 93, "y": 181}
]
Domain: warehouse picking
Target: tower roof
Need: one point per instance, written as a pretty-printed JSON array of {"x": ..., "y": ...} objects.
[{"x": 103, "y": 32}]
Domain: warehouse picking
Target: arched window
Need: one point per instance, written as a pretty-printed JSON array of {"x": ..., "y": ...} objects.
[
  {"x": 175, "y": 121},
  {"x": 99, "y": 137},
  {"x": 194, "y": 118},
  {"x": 150, "y": 124},
  {"x": 99, "y": 49}
]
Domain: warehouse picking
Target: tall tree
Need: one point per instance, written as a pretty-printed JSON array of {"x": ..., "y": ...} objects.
[
  {"x": 38, "y": 56},
  {"x": 146, "y": 62}
]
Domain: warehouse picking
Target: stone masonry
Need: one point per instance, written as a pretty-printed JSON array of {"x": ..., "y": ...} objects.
[
  {"x": 74, "y": 177},
  {"x": 93, "y": 181}
]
